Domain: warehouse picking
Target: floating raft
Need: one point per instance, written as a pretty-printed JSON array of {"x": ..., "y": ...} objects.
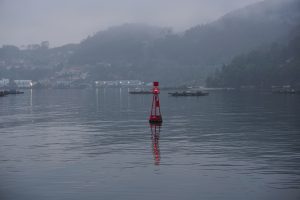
[
  {"x": 188, "y": 93},
  {"x": 140, "y": 92},
  {"x": 7, "y": 92}
]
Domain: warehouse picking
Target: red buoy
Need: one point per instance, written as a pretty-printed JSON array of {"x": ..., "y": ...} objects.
[{"x": 155, "y": 116}]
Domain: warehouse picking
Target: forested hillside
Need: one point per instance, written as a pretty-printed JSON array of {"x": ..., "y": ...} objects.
[
  {"x": 137, "y": 51},
  {"x": 276, "y": 65},
  {"x": 143, "y": 52}
]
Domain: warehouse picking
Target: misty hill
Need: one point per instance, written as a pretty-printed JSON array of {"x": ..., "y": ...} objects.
[
  {"x": 122, "y": 43},
  {"x": 239, "y": 31},
  {"x": 36, "y": 62},
  {"x": 139, "y": 46},
  {"x": 137, "y": 51},
  {"x": 276, "y": 65}
]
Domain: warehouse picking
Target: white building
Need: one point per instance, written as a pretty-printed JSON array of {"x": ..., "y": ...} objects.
[
  {"x": 119, "y": 83},
  {"x": 23, "y": 83},
  {"x": 131, "y": 83},
  {"x": 106, "y": 83},
  {"x": 4, "y": 82}
]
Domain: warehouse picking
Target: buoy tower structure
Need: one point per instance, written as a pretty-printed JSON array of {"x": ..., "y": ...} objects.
[{"x": 155, "y": 116}]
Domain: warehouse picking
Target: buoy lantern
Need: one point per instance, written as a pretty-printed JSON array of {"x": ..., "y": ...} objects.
[{"x": 155, "y": 116}]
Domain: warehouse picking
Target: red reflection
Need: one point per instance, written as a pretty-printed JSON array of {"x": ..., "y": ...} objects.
[{"x": 155, "y": 131}]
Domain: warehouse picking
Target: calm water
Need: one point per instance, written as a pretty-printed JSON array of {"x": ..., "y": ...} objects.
[{"x": 97, "y": 144}]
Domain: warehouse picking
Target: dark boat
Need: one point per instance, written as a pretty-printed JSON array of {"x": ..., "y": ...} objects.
[
  {"x": 188, "y": 93},
  {"x": 3, "y": 93},
  {"x": 140, "y": 91},
  {"x": 284, "y": 90},
  {"x": 13, "y": 92}
]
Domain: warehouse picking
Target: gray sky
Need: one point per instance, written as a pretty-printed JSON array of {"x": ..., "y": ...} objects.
[{"x": 60, "y": 22}]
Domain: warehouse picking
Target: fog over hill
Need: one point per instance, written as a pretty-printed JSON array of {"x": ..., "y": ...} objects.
[
  {"x": 138, "y": 51},
  {"x": 70, "y": 21},
  {"x": 274, "y": 65},
  {"x": 243, "y": 30},
  {"x": 198, "y": 49}
]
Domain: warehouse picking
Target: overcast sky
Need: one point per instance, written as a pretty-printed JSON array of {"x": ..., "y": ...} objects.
[{"x": 60, "y": 22}]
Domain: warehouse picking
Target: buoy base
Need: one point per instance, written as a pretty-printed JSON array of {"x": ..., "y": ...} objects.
[{"x": 155, "y": 119}]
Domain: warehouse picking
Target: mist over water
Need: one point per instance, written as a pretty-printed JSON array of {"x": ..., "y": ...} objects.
[{"x": 91, "y": 144}]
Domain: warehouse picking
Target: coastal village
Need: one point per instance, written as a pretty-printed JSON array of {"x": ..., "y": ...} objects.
[{"x": 66, "y": 84}]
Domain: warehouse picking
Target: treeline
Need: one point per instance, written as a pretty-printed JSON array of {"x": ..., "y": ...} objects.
[{"x": 275, "y": 65}]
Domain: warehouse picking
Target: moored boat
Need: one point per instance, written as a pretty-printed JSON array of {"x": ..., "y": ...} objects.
[
  {"x": 7, "y": 92},
  {"x": 12, "y": 91},
  {"x": 140, "y": 91},
  {"x": 189, "y": 93},
  {"x": 287, "y": 89},
  {"x": 3, "y": 93}
]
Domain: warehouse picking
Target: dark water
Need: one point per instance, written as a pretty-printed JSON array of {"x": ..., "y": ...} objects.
[{"x": 97, "y": 144}]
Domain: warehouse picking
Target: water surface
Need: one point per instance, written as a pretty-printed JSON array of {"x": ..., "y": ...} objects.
[{"x": 97, "y": 144}]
